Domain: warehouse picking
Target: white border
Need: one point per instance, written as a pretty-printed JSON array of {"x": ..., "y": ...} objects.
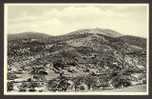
[{"x": 71, "y": 93}]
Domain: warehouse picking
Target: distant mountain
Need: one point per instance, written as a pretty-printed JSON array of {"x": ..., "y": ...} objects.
[
  {"x": 106, "y": 32},
  {"x": 28, "y": 35}
]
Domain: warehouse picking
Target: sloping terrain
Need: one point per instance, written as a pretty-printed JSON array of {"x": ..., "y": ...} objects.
[{"x": 86, "y": 59}]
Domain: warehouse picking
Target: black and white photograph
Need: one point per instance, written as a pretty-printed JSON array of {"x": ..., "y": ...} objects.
[{"x": 76, "y": 49}]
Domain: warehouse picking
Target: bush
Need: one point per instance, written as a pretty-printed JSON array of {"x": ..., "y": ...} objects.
[
  {"x": 144, "y": 81},
  {"x": 23, "y": 87},
  {"x": 32, "y": 89},
  {"x": 121, "y": 82},
  {"x": 52, "y": 85},
  {"x": 12, "y": 76},
  {"x": 33, "y": 85},
  {"x": 10, "y": 86},
  {"x": 22, "y": 90},
  {"x": 82, "y": 88}
]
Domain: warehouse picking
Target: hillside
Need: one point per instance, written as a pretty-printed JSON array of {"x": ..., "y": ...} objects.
[
  {"x": 134, "y": 40},
  {"x": 27, "y": 35},
  {"x": 85, "y": 59},
  {"x": 106, "y": 32}
]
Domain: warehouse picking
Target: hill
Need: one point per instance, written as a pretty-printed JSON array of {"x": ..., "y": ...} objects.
[
  {"x": 27, "y": 35},
  {"x": 93, "y": 57},
  {"x": 106, "y": 32}
]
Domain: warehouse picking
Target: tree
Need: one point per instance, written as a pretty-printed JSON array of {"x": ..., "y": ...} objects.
[
  {"x": 122, "y": 50},
  {"x": 39, "y": 72}
]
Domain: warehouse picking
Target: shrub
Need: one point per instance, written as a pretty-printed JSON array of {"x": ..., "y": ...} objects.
[
  {"x": 32, "y": 89},
  {"x": 121, "y": 82},
  {"x": 22, "y": 90},
  {"x": 10, "y": 86},
  {"x": 144, "y": 81},
  {"x": 52, "y": 85},
  {"x": 12, "y": 76},
  {"x": 23, "y": 87}
]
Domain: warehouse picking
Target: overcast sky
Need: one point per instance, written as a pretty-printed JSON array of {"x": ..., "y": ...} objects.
[{"x": 61, "y": 19}]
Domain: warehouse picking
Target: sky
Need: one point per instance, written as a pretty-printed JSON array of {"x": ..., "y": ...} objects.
[{"x": 59, "y": 19}]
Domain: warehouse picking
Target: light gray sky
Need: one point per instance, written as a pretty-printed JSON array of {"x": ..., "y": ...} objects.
[{"x": 61, "y": 19}]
